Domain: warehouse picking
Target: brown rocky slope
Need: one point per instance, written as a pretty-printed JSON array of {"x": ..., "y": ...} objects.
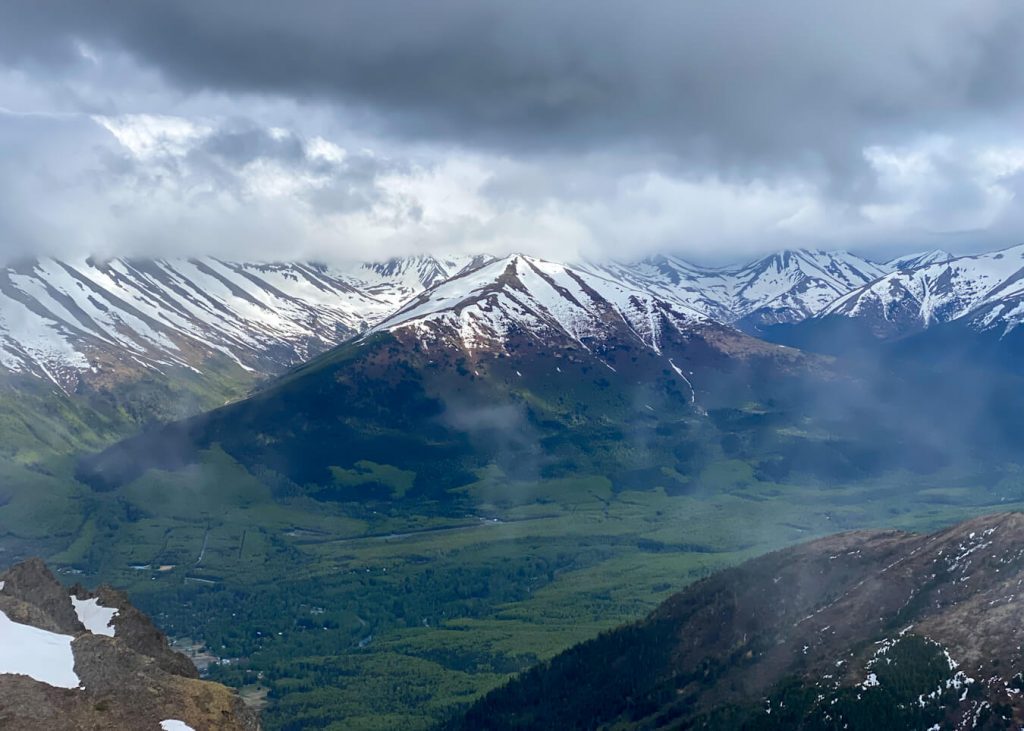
[{"x": 128, "y": 678}]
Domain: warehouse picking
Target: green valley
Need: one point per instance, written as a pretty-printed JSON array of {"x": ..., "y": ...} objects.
[{"x": 377, "y": 615}]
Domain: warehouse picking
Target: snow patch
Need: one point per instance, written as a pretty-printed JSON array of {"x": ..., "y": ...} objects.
[
  {"x": 175, "y": 725},
  {"x": 96, "y": 618},
  {"x": 41, "y": 655}
]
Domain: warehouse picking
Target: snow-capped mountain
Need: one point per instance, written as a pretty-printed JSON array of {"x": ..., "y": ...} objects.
[
  {"x": 62, "y": 319},
  {"x": 97, "y": 320},
  {"x": 985, "y": 292},
  {"x": 520, "y": 295},
  {"x": 788, "y": 286},
  {"x": 913, "y": 261},
  {"x": 793, "y": 285}
]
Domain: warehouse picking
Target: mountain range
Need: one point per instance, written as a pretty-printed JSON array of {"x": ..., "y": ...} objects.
[
  {"x": 96, "y": 349},
  {"x": 90, "y": 323},
  {"x": 83, "y": 320}
]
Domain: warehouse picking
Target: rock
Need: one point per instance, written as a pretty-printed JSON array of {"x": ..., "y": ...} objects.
[{"x": 128, "y": 682}]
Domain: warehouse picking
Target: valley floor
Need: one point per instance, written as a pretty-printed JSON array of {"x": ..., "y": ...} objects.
[{"x": 361, "y": 619}]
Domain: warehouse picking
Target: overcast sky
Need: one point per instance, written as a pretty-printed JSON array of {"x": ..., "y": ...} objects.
[{"x": 360, "y": 129}]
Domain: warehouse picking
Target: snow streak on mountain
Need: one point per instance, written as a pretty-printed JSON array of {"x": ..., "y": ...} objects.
[
  {"x": 67, "y": 320},
  {"x": 985, "y": 291},
  {"x": 58, "y": 319}
]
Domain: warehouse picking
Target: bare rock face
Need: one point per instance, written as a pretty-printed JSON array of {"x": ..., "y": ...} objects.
[
  {"x": 138, "y": 632},
  {"x": 96, "y": 663},
  {"x": 33, "y": 584}
]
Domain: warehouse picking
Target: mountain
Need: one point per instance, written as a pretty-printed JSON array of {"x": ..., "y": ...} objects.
[
  {"x": 920, "y": 259},
  {"x": 93, "y": 320},
  {"x": 526, "y": 365},
  {"x": 861, "y": 630},
  {"x": 788, "y": 286},
  {"x": 984, "y": 290},
  {"x": 90, "y": 660},
  {"x": 90, "y": 350},
  {"x": 793, "y": 285}
]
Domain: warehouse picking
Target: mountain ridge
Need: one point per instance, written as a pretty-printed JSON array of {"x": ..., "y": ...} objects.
[
  {"x": 856, "y": 630},
  {"x": 99, "y": 321}
]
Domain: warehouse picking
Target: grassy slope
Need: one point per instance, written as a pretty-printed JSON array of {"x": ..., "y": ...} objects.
[{"x": 42, "y": 428}]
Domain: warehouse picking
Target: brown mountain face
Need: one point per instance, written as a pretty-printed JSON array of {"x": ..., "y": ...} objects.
[
  {"x": 128, "y": 678},
  {"x": 862, "y": 630}
]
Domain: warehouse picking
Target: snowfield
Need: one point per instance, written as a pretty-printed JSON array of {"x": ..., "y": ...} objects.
[{"x": 41, "y": 655}]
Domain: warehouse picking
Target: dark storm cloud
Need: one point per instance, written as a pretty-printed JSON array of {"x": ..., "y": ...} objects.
[
  {"x": 752, "y": 88},
  {"x": 717, "y": 130}
]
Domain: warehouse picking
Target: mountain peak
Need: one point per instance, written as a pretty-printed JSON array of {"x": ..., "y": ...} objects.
[
  {"x": 919, "y": 259},
  {"x": 521, "y": 294}
]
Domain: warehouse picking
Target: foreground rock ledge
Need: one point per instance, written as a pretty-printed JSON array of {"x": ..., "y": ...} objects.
[{"x": 78, "y": 660}]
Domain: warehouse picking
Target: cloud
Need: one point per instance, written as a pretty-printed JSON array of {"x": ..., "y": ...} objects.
[
  {"x": 571, "y": 128},
  {"x": 786, "y": 83},
  {"x": 170, "y": 186},
  {"x": 143, "y": 184}
]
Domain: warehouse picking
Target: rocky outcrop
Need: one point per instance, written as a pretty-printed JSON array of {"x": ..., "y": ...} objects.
[
  {"x": 127, "y": 676},
  {"x": 138, "y": 632},
  {"x": 38, "y": 597}
]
